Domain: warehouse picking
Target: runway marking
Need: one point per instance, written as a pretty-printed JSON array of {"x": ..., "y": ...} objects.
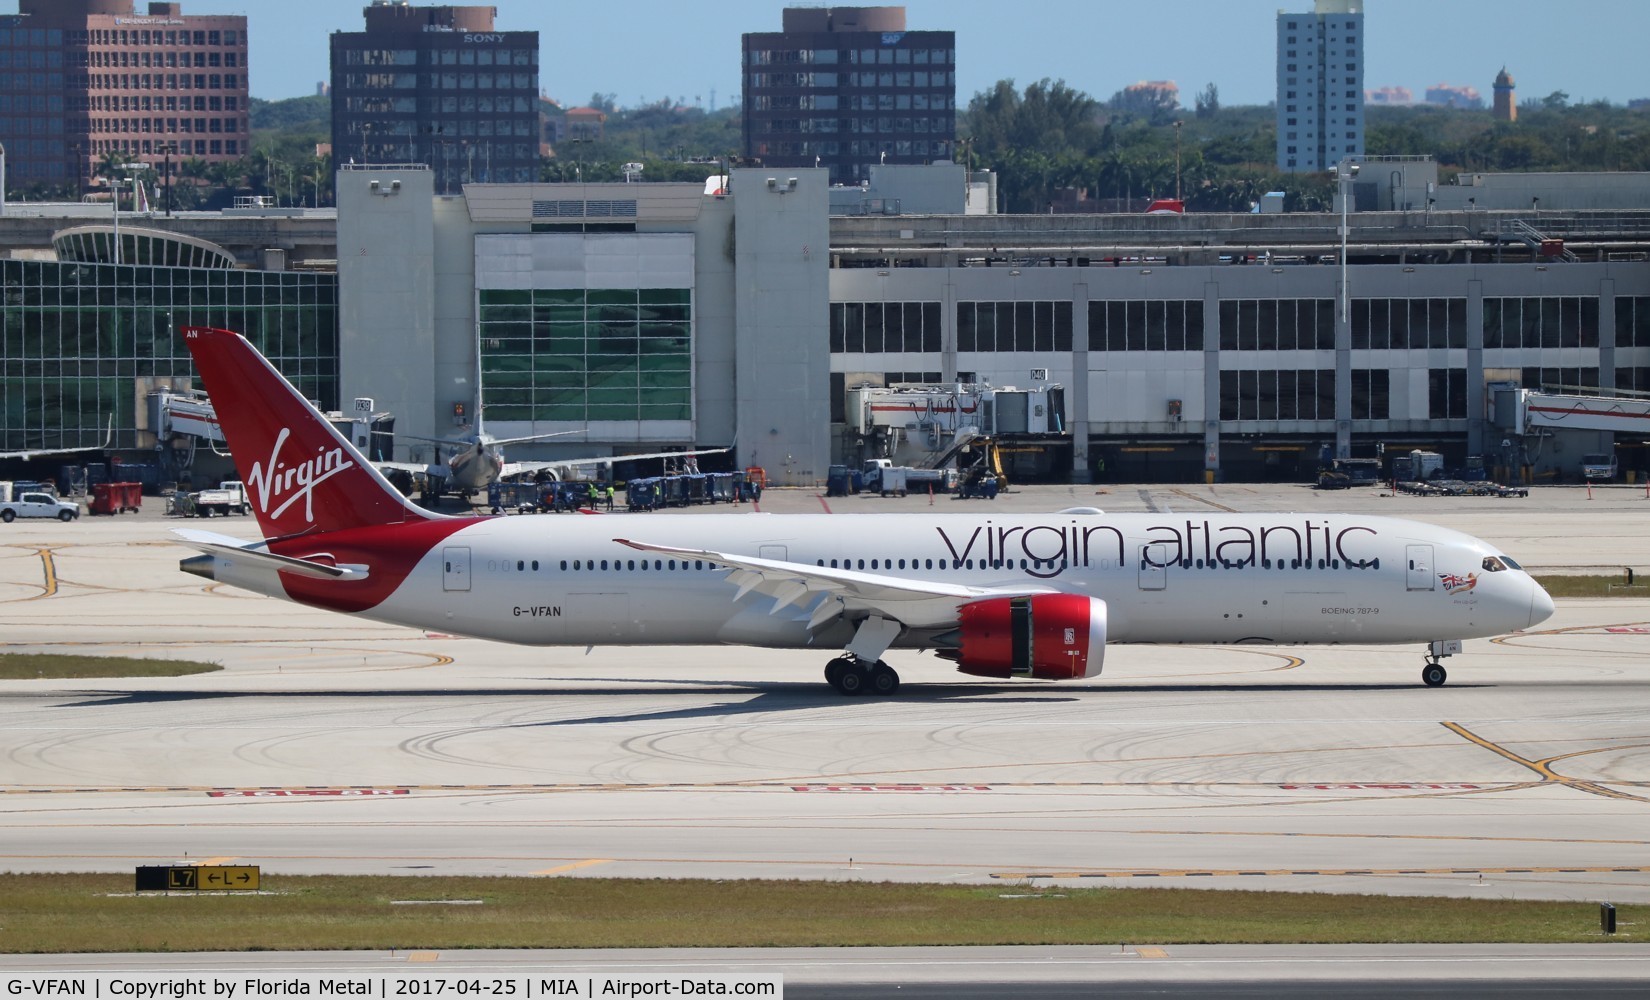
[
  {"x": 423, "y": 956},
  {"x": 822, "y": 503},
  {"x": 254, "y": 793},
  {"x": 49, "y": 567},
  {"x": 890, "y": 788},
  {"x": 1275, "y": 872},
  {"x": 1543, "y": 767},
  {"x": 227, "y": 859},
  {"x": 587, "y": 863}
]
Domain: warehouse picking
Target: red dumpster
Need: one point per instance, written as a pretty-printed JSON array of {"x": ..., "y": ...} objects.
[{"x": 116, "y": 498}]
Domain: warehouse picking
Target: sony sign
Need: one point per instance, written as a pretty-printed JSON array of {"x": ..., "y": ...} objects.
[{"x": 484, "y": 39}]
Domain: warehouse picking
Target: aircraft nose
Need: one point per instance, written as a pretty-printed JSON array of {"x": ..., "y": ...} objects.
[{"x": 1541, "y": 604}]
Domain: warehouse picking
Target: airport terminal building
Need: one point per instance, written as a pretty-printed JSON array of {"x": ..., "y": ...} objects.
[{"x": 1189, "y": 346}]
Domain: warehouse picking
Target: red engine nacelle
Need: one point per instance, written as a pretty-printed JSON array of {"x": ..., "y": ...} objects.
[{"x": 1056, "y": 637}]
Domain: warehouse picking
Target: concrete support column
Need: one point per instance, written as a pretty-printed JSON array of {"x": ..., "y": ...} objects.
[
  {"x": 1211, "y": 382},
  {"x": 1343, "y": 371},
  {"x": 1082, "y": 469},
  {"x": 1476, "y": 406}
]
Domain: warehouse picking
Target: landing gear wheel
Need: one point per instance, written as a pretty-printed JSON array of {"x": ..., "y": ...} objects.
[
  {"x": 835, "y": 669},
  {"x": 884, "y": 680},
  {"x": 1433, "y": 675},
  {"x": 853, "y": 680}
]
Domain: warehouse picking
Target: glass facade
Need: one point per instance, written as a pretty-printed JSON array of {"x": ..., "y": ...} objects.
[
  {"x": 1146, "y": 325},
  {"x": 75, "y": 339},
  {"x": 879, "y": 327},
  {"x": 581, "y": 355},
  {"x": 1024, "y": 326}
]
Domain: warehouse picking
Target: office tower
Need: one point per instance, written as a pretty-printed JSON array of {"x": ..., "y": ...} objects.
[
  {"x": 846, "y": 88},
  {"x": 82, "y": 79},
  {"x": 1320, "y": 104},
  {"x": 439, "y": 86}
]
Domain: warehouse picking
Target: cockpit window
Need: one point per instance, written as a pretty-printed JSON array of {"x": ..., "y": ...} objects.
[
  {"x": 1510, "y": 563},
  {"x": 1493, "y": 564}
]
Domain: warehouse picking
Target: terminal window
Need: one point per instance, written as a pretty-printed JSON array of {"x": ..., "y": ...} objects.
[{"x": 587, "y": 354}]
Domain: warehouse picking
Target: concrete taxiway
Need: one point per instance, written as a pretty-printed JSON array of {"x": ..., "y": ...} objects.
[{"x": 335, "y": 745}]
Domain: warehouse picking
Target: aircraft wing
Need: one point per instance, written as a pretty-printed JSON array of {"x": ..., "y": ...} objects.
[
  {"x": 916, "y": 603},
  {"x": 436, "y": 471},
  {"x": 43, "y": 452},
  {"x": 527, "y": 468}
]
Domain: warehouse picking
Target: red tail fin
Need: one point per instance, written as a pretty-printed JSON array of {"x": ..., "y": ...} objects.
[{"x": 301, "y": 475}]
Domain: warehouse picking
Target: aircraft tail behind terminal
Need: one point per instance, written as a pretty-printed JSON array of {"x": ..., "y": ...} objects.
[{"x": 301, "y": 474}]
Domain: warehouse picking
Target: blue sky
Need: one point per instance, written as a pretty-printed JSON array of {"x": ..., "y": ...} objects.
[{"x": 648, "y": 49}]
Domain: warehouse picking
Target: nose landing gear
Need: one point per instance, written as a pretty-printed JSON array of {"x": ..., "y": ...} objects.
[{"x": 1433, "y": 674}]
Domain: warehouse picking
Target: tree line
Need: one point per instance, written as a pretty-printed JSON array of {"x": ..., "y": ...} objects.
[{"x": 1047, "y": 142}]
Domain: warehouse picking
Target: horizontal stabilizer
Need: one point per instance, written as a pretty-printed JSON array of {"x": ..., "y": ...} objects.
[{"x": 251, "y": 553}]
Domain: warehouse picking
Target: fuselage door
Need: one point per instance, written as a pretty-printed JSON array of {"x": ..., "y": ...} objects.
[
  {"x": 1154, "y": 562},
  {"x": 774, "y": 552},
  {"x": 455, "y": 567},
  {"x": 1420, "y": 567}
]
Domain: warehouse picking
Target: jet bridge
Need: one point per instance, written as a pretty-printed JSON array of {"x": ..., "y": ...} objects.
[
  {"x": 925, "y": 425},
  {"x": 183, "y": 419},
  {"x": 1565, "y": 434},
  {"x": 1529, "y": 410}
]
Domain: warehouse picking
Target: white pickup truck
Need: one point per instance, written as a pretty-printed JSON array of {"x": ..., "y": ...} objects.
[
  {"x": 228, "y": 498},
  {"x": 38, "y": 505}
]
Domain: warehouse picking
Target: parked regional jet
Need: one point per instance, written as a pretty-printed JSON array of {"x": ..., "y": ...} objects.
[{"x": 1037, "y": 595}]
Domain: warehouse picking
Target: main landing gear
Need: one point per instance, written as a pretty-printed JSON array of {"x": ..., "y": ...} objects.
[
  {"x": 1434, "y": 674},
  {"x": 851, "y": 676}
]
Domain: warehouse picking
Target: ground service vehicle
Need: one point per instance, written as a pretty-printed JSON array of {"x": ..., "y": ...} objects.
[
  {"x": 38, "y": 505},
  {"x": 228, "y": 498},
  {"x": 1598, "y": 468}
]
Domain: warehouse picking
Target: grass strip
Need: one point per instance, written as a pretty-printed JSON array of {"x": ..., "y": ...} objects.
[
  {"x": 1615, "y": 585},
  {"x": 98, "y": 913},
  {"x": 34, "y": 666}
]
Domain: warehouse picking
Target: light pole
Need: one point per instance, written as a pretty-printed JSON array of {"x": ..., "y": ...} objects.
[
  {"x": 1343, "y": 173},
  {"x": 168, "y": 149},
  {"x": 1177, "y": 161},
  {"x": 114, "y": 181}
]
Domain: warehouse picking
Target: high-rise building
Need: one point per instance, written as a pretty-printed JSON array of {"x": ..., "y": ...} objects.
[
  {"x": 81, "y": 79},
  {"x": 1320, "y": 103},
  {"x": 846, "y": 88},
  {"x": 1506, "y": 105},
  {"x": 438, "y": 86},
  {"x": 1450, "y": 96}
]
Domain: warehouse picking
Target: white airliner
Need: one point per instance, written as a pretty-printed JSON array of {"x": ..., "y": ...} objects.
[
  {"x": 477, "y": 460},
  {"x": 1037, "y": 595}
]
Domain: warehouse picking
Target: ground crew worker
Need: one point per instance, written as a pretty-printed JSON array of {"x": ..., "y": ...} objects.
[
  {"x": 609, "y": 496},
  {"x": 593, "y": 496}
]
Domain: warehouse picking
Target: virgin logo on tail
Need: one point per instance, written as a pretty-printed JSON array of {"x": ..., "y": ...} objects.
[{"x": 278, "y": 480}]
